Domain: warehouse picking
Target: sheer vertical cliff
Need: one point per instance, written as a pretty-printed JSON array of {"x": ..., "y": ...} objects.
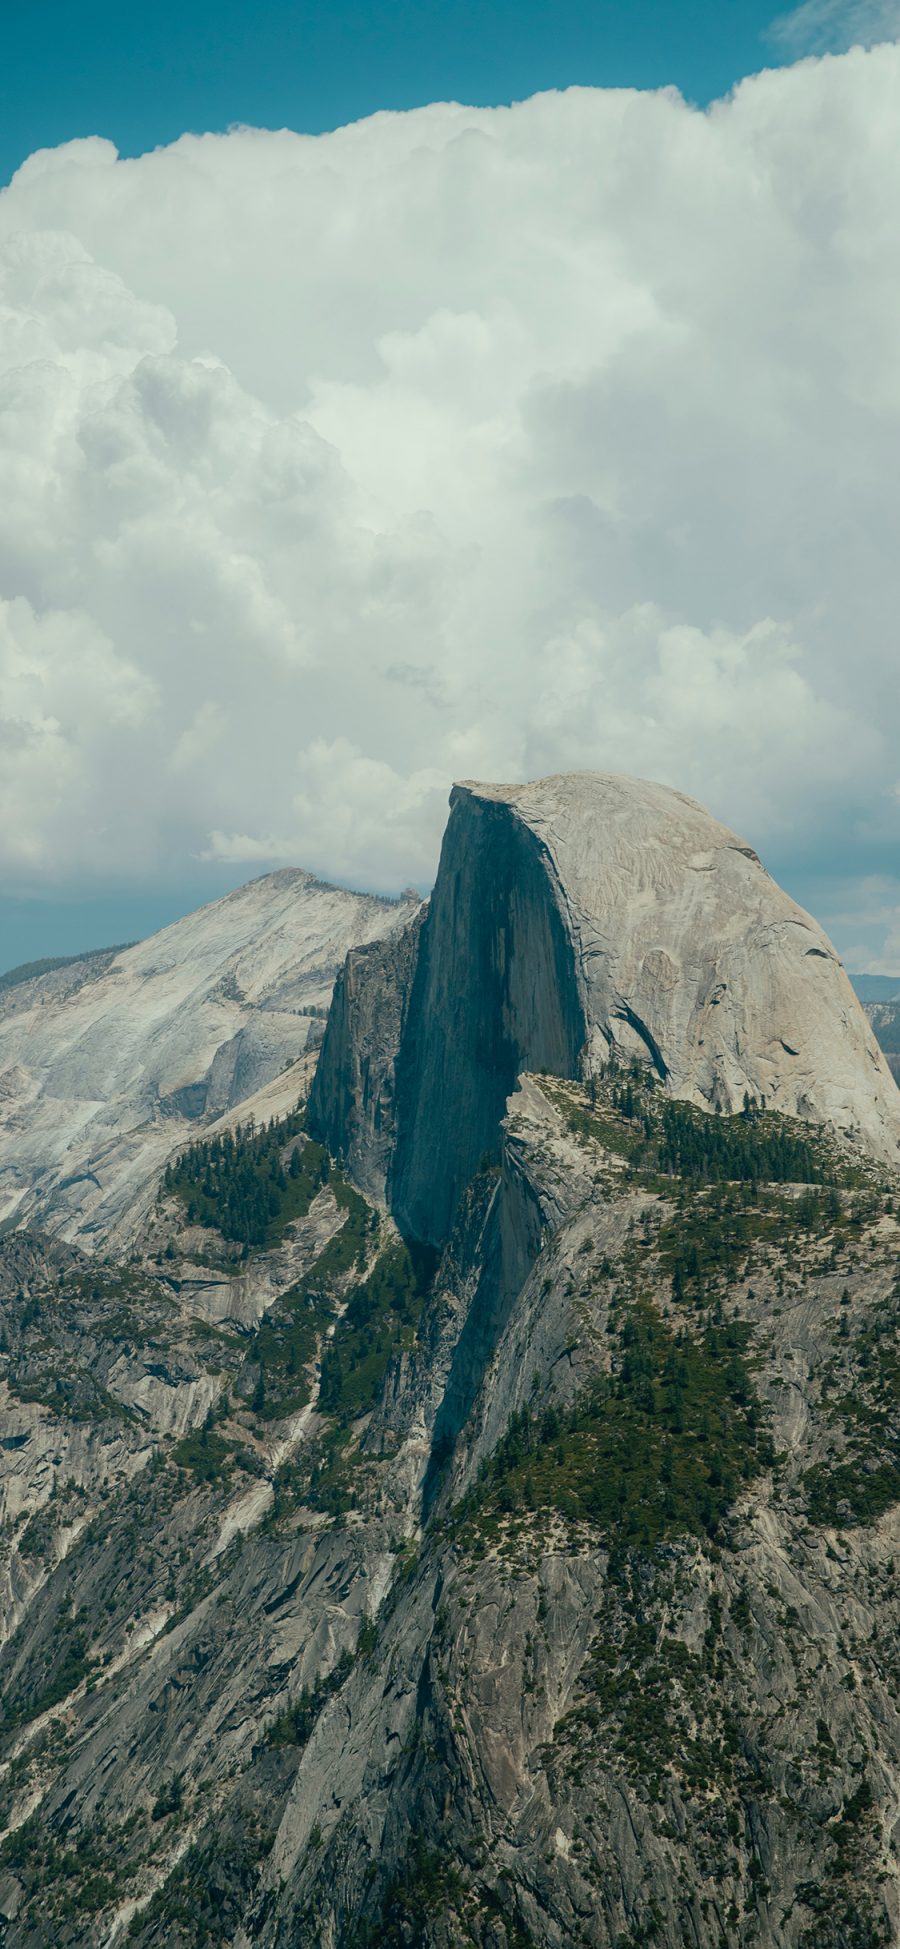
[
  {"x": 502, "y": 1553},
  {"x": 495, "y": 992},
  {"x": 573, "y": 921},
  {"x": 353, "y": 1101}
]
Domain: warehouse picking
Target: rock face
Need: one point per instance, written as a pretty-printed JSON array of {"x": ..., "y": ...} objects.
[
  {"x": 539, "y": 1590},
  {"x": 329, "y": 1704},
  {"x": 354, "y": 1087},
  {"x": 108, "y": 1066},
  {"x": 573, "y": 920}
]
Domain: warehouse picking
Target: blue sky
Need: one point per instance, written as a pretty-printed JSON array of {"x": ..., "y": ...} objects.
[
  {"x": 144, "y": 75},
  {"x": 39, "y": 928}
]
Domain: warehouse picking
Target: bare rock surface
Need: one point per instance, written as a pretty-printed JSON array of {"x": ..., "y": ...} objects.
[
  {"x": 532, "y": 1580},
  {"x": 689, "y": 955},
  {"x": 575, "y": 920},
  {"x": 107, "y": 1067}
]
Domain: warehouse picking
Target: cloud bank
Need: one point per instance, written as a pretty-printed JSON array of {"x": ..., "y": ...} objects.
[
  {"x": 457, "y": 443},
  {"x": 832, "y": 26}
]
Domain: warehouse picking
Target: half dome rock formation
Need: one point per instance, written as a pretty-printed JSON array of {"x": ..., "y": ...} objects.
[{"x": 573, "y": 920}]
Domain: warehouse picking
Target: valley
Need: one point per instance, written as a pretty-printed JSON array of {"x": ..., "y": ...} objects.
[{"x": 459, "y": 1505}]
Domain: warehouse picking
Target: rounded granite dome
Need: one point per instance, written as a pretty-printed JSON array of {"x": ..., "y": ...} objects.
[
  {"x": 573, "y": 921},
  {"x": 690, "y": 956}
]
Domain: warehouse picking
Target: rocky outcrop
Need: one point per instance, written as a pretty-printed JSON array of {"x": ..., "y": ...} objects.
[
  {"x": 492, "y": 1717},
  {"x": 107, "y": 1067},
  {"x": 352, "y": 1100},
  {"x": 539, "y": 1591},
  {"x": 555, "y": 1742},
  {"x": 577, "y": 921},
  {"x": 495, "y": 992}
]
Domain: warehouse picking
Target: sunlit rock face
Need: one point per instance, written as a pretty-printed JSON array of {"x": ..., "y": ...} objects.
[
  {"x": 574, "y": 920},
  {"x": 108, "y": 1066},
  {"x": 539, "y": 1589}
]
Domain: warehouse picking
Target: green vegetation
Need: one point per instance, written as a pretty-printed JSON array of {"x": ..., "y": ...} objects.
[
  {"x": 284, "y": 1346},
  {"x": 847, "y": 1493},
  {"x": 241, "y": 1185},
  {"x": 427, "y": 1886},
  {"x": 348, "y": 1246},
  {"x": 69, "y": 1665},
  {"x": 326, "y": 1474},
  {"x": 296, "y": 1725},
  {"x": 205, "y": 1454},
  {"x": 170, "y": 1798},
  {"x": 864, "y": 1481},
  {"x": 708, "y": 1241},
  {"x": 666, "y": 1138},
  {"x": 751, "y": 1148},
  {"x": 67, "y": 1884},
  {"x": 381, "y": 1318},
  {"x": 49, "y": 1349},
  {"x": 287, "y": 1339},
  {"x": 848, "y": 1914},
  {"x": 659, "y": 1449},
  {"x": 659, "y": 1713},
  {"x": 77, "y": 1394},
  {"x": 203, "y": 1902},
  {"x": 35, "y": 1539}
]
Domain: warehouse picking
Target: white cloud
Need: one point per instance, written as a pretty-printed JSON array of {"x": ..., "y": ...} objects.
[
  {"x": 69, "y": 706},
  {"x": 833, "y": 26},
  {"x": 465, "y": 442}
]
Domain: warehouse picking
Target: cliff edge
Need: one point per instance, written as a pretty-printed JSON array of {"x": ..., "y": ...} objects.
[{"x": 575, "y": 920}]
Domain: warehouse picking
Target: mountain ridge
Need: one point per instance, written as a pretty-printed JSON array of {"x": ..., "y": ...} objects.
[
  {"x": 573, "y": 921},
  {"x": 106, "y": 1065},
  {"x": 535, "y": 1589}
]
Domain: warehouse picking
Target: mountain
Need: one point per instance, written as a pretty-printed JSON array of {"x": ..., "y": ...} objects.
[
  {"x": 885, "y": 1020},
  {"x": 28, "y": 970},
  {"x": 876, "y": 988},
  {"x": 883, "y": 1010},
  {"x": 471, "y": 1515},
  {"x": 880, "y": 997},
  {"x": 576, "y": 920},
  {"x": 107, "y": 1064}
]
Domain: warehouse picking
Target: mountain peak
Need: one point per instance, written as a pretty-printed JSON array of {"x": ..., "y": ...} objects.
[{"x": 585, "y": 919}]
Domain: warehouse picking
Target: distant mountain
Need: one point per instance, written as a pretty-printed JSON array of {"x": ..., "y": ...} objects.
[
  {"x": 469, "y": 1515},
  {"x": 876, "y": 988},
  {"x": 110, "y": 1061},
  {"x": 880, "y": 996},
  {"x": 885, "y": 1020},
  {"x": 29, "y": 970}
]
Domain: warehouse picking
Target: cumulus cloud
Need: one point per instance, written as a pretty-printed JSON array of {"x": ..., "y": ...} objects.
[
  {"x": 832, "y": 26},
  {"x": 457, "y": 443}
]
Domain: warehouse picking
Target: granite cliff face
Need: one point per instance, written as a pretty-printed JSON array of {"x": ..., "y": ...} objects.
[
  {"x": 108, "y": 1065},
  {"x": 573, "y": 921},
  {"x": 527, "y": 1580}
]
